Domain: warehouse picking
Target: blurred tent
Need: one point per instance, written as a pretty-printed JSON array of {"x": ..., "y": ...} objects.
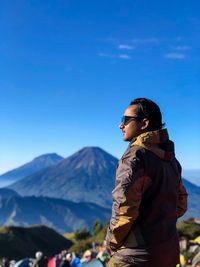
[
  {"x": 93, "y": 263},
  {"x": 23, "y": 263},
  {"x": 54, "y": 262},
  {"x": 196, "y": 259},
  {"x": 197, "y": 240}
]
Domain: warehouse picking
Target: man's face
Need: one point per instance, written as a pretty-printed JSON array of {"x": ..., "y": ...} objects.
[
  {"x": 132, "y": 127},
  {"x": 68, "y": 257}
]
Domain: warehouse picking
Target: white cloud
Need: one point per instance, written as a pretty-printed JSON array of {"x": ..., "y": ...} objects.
[
  {"x": 121, "y": 56},
  {"x": 124, "y": 56},
  {"x": 178, "y": 56},
  {"x": 146, "y": 40},
  {"x": 182, "y": 48},
  {"x": 125, "y": 47},
  {"x": 134, "y": 41},
  {"x": 106, "y": 55},
  {"x": 179, "y": 38},
  {"x": 108, "y": 40}
]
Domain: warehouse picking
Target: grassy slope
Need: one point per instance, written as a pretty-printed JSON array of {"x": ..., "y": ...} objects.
[{"x": 18, "y": 242}]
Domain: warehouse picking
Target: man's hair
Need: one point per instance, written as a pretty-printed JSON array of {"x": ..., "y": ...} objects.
[{"x": 150, "y": 110}]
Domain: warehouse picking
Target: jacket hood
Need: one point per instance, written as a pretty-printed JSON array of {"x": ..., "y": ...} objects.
[{"x": 157, "y": 142}]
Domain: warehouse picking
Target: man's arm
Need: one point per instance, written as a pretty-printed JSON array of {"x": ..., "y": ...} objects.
[
  {"x": 182, "y": 200},
  {"x": 182, "y": 194},
  {"x": 127, "y": 197}
]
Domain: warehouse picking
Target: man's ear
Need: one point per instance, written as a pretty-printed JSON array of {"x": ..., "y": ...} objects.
[{"x": 145, "y": 124}]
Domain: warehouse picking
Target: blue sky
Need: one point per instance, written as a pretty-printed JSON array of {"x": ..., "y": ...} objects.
[{"x": 70, "y": 68}]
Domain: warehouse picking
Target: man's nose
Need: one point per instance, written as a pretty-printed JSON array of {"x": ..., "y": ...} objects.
[{"x": 121, "y": 125}]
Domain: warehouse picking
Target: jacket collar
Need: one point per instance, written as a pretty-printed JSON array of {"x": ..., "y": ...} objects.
[{"x": 157, "y": 142}]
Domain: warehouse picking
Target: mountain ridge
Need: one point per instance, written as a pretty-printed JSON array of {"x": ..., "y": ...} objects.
[
  {"x": 38, "y": 163},
  {"x": 62, "y": 215},
  {"x": 87, "y": 174}
]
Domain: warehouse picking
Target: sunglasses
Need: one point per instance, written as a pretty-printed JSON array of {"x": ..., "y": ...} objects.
[{"x": 126, "y": 119}]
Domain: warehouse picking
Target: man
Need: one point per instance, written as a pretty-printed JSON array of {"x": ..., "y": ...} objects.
[
  {"x": 149, "y": 195},
  {"x": 73, "y": 260},
  {"x": 40, "y": 260}
]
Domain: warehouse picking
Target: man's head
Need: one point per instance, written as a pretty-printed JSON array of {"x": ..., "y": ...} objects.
[
  {"x": 69, "y": 256},
  {"x": 38, "y": 255},
  {"x": 141, "y": 116}
]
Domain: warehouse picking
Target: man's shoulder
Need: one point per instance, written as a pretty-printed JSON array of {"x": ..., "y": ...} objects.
[{"x": 134, "y": 151}]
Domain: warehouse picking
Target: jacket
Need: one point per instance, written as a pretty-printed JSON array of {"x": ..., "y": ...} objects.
[
  {"x": 148, "y": 197},
  {"x": 75, "y": 262}
]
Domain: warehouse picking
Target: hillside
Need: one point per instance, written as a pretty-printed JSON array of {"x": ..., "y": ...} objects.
[
  {"x": 193, "y": 200},
  {"x": 62, "y": 215},
  {"x": 18, "y": 243},
  {"x": 7, "y": 193}
]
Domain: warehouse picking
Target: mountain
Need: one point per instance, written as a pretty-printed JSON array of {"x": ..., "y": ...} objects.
[
  {"x": 86, "y": 176},
  {"x": 62, "y": 215},
  {"x": 193, "y": 200},
  {"x": 192, "y": 175},
  {"x": 7, "y": 193},
  {"x": 19, "y": 243},
  {"x": 29, "y": 168}
]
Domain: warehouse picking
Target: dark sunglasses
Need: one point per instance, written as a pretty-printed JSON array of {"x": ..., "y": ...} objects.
[{"x": 126, "y": 119}]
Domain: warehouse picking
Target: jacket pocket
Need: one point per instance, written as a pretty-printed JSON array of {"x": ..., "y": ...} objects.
[{"x": 134, "y": 238}]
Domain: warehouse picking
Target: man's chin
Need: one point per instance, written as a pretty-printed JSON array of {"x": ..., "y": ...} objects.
[{"x": 126, "y": 139}]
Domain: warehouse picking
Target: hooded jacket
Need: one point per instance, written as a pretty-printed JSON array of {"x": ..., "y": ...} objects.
[{"x": 148, "y": 196}]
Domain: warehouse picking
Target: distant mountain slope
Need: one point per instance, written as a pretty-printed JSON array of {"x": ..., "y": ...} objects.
[
  {"x": 86, "y": 176},
  {"x": 7, "y": 193},
  {"x": 193, "y": 200},
  {"x": 62, "y": 215},
  {"x": 35, "y": 165},
  {"x": 18, "y": 243},
  {"x": 192, "y": 175}
]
